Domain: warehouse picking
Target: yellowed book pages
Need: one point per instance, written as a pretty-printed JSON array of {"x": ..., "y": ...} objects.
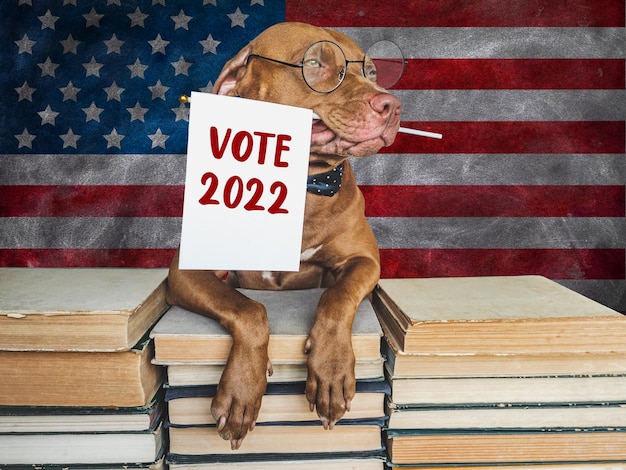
[
  {"x": 506, "y": 314},
  {"x": 78, "y": 309},
  {"x": 277, "y": 439},
  {"x": 103, "y": 379},
  {"x": 179, "y": 375},
  {"x": 195, "y": 411},
  {"x": 337, "y": 464},
  {"x": 508, "y": 448}
]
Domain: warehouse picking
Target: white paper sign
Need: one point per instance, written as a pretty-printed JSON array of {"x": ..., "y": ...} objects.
[{"x": 245, "y": 185}]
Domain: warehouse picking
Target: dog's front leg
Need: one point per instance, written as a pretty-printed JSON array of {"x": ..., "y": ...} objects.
[
  {"x": 242, "y": 385},
  {"x": 331, "y": 380}
]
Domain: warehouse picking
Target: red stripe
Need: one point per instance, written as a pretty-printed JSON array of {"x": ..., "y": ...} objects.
[
  {"x": 494, "y": 201},
  {"x": 456, "y": 13},
  {"x": 91, "y": 201},
  {"x": 552, "y": 263},
  {"x": 514, "y": 137},
  {"x": 513, "y": 74},
  {"x": 381, "y": 201},
  {"x": 86, "y": 258}
]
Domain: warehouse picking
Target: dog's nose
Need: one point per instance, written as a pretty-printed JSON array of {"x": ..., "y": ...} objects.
[{"x": 385, "y": 104}]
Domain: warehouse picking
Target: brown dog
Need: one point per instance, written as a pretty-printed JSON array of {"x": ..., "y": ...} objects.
[{"x": 339, "y": 250}]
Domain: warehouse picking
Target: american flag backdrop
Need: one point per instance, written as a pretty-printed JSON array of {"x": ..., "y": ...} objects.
[{"x": 530, "y": 96}]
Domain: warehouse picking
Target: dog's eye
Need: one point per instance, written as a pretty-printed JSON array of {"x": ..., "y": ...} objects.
[{"x": 312, "y": 63}]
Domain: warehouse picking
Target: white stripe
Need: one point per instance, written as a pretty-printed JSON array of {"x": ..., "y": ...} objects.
[
  {"x": 512, "y": 105},
  {"x": 491, "y": 169},
  {"x": 90, "y": 232},
  {"x": 461, "y": 43},
  {"x": 499, "y": 232},
  {"x": 425, "y": 232}
]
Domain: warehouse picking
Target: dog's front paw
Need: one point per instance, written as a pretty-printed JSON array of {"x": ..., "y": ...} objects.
[
  {"x": 331, "y": 383},
  {"x": 237, "y": 402}
]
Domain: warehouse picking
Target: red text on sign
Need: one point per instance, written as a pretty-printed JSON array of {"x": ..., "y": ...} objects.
[
  {"x": 233, "y": 193},
  {"x": 242, "y": 145}
]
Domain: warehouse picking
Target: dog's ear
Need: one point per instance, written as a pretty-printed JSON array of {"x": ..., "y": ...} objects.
[{"x": 227, "y": 79}]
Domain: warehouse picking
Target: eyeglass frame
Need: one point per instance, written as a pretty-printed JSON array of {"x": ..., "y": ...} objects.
[{"x": 301, "y": 66}]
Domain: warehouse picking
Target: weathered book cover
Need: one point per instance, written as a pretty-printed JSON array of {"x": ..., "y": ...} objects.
[
  {"x": 185, "y": 337},
  {"x": 495, "y": 315},
  {"x": 78, "y": 309}
]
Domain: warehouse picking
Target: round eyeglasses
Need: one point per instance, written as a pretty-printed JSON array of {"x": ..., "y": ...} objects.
[{"x": 324, "y": 65}]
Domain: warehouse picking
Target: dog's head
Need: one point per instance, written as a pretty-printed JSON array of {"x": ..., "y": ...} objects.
[{"x": 300, "y": 65}]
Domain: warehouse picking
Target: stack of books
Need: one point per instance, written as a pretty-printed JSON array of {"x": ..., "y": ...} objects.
[
  {"x": 78, "y": 385},
  {"x": 195, "y": 349},
  {"x": 507, "y": 371}
]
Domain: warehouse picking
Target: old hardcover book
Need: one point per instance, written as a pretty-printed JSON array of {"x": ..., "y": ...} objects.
[
  {"x": 184, "y": 375},
  {"x": 495, "y": 315},
  {"x": 524, "y": 466},
  {"x": 191, "y": 406},
  {"x": 71, "y": 419},
  {"x": 253, "y": 462},
  {"x": 97, "y": 379},
  {"x": 76, "y": 309},
  {"x": 185, "y": 337},
  {"x": 156, "y": 465},
  {"x": 82, "y": 448},
  {"x": 508, "y": 417},
  {"x": 489, "y": 447},
  {"x": 442, "y": 391},
  {"x": 411, "y": 365},
  {"x": 278, "y": 439}
]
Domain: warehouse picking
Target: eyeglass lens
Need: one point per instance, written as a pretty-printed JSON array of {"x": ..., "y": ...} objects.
[
  {"x": 389, "y": 61},
  {"x": 324, "y": 65}
]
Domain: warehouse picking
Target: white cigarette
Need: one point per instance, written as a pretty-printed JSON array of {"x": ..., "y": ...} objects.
[
  {"x": 434, "y": 135},
  {"x": 186, "y": 99},
  {"x": 407, "y": 130}
]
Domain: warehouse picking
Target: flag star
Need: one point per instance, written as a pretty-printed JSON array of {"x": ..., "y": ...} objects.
[
  {"x": 48, "y": 20},
  {"x": 210, "y": 45},
  {"x": 181, "y": 20},
  {"x": 137, "y": 69},
  {"x": 114, "y": 2},
  {"x": 48, "y": 116},
  {"x": 113, "y": 139},
  {"x": 69, "y": 2},
  {"x": 209, "y": 2},
  {"x": 25, "y": 92},
  {"x": 158, "y": 139},
  {"x": 92, "y": 67},
  {"x": 92, "y": 112},
  {"x": 137, "y": 113},
  {"x": 181, "y": 66},
  {"x": 158, "y": 44},
  {"x": 69, "y": 92},
  {"x": 48, "y": 67},
  {"x": 238, "y": 18},
  {"x": 259, "y": 2},
  {"x": 70, "y": 139},
  {"x": 25, "y": 2},
  {"x": 182, "y": 113},
  {"x": 137, "y": 18},
  {"x": 158, "y": 90},
  {"x": 208, "y": 88},
  {"x": 158, "y": 2},
  {"x": 69, "y": 45},
  {"x": 25, "y": 45},
  {"x": 92, "y": 18},
  {"x": 114, "y": 92},
  {"x": 114, "y": 45},
  {"x": 25, "y": 139}
]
